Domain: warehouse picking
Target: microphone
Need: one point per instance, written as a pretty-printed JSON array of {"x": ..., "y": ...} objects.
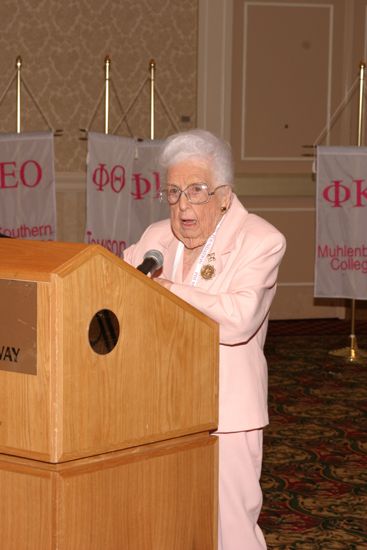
[{"x": 153, "y": 260}]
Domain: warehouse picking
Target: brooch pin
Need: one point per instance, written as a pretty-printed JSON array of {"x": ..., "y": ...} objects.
[{"x": 208, "y": 271}]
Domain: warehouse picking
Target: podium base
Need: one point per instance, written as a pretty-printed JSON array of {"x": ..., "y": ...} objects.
[{"x": 154, "y": 497}]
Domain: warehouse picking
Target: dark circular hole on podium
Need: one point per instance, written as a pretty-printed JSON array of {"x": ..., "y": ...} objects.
[{"x": 104, "y": 331}]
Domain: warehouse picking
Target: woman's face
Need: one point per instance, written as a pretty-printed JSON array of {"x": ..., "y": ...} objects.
[{"x": 194, "y": 223}]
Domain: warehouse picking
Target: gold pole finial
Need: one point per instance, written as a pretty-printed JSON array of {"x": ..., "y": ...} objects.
[
  {"x": 18, "y": 67},
  {"x": 107, "y": 66},
  {"x": 361, "y": 104},
  {"x": 152, "y": 77}
]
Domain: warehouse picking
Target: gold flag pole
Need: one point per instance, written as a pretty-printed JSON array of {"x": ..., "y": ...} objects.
[
  {"x": 152, "y": 82},
  {"x": 21, "y": 85},
  {"x": 18, "y": 78},
  {"x": 107, "y": 63},
  {"x": 353, "y": 354}
]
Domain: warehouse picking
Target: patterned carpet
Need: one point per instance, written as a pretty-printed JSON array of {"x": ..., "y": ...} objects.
[{"x": 315, "y": 449}]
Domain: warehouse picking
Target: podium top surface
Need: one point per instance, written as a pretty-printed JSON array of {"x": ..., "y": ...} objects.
[
  {"x": 42, "y": 260},
  {"x": 23, "y": 259}
]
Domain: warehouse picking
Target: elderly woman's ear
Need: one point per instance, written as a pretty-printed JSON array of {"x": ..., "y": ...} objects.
[{"x": 226, "y": 198}]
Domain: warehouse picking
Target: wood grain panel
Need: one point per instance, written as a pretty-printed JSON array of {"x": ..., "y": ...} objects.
[
  {"x": 158, "y": 381},
  {"x": 25, "y": 400},
  {"x": 156, "y": 497}
]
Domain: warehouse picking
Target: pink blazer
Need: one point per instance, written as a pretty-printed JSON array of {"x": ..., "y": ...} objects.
[{"x": 246, "y": 255}]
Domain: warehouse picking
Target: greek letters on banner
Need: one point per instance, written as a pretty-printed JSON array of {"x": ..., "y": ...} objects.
[
  {"x": 341, "y": 228},
  {"x": 123, "y": 184},
  {"x": 27, "y": 186}
]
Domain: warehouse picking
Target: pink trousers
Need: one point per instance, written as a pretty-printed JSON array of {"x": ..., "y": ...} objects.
[{"x": 240, "y": 496}]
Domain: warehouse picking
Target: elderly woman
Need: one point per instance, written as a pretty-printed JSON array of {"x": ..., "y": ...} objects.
[{"x": 224, "y": 261}]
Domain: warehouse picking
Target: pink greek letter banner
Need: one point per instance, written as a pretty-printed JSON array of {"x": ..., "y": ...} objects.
[
  {"x": 27, "y": 186},
  {"x": 341, "y": 223},
  {"x": 123, "y": 183}
]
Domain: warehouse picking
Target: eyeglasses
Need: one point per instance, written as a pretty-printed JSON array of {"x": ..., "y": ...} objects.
[{"x": 196, "y": 193}]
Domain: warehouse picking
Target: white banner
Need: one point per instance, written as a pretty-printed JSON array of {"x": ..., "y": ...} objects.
[
  {"x": 27, "y": 186},
  {"x": 341, "y": 223},
  {"x": 123, "y": 183}
]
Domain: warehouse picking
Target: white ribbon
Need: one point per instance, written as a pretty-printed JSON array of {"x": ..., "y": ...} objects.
[{"x": 207, "y": 248}]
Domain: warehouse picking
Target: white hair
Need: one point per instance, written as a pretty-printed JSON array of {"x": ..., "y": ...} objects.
[{"x": 200, "y": 144}]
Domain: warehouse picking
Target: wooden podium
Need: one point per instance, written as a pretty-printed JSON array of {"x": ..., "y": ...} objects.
[{"x": 108, "y": 395}]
